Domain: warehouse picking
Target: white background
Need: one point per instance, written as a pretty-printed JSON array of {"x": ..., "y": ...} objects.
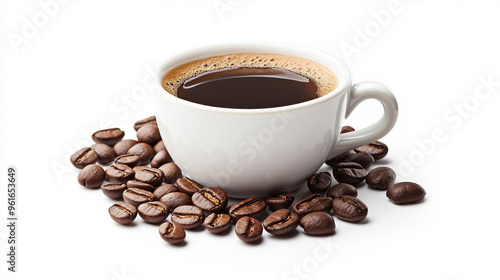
[{"x": 82, "y": 68}]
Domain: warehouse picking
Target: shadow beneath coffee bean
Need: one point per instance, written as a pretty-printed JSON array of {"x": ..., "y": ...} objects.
[
  {"x": 289, "y": 235},
  {"x": 182, "y": 244},
  {"x": 131, "y": 225},
  {"x": 256, "y": 243},
  {"x": 382, "y": 162}
]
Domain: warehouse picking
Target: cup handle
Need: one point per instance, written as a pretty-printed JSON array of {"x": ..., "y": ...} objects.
[{"x": 359, "y": 93}]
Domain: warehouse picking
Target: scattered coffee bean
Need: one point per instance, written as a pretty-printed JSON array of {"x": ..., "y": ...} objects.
[
  {"x": 318, "y": 223},
  {"x": 130, "y": 160},
  {"x": 248, "y": 229},
  {"x": 188, "y": 186},
  {"x": 281, "y": 222},
  {"x": 119, "y": 173},
  {"x": 153, "y": 212},
  {"x": 172, "y": 233},
  {"x": 377, "y": 149},
  {"x": 405, "y": 192},
  {"x": 319, "y": 182},
  {"x": 148, "y": 134},
  {"x": 152, "y": 176},
  {"x": 341, "y": 189},
  {"x": 91, "y": 176},
  {"x": 281, "y": 200},
  {"x": 163, "y": 190},
  {"x": 139, "y": 168},
  {"x": 189, "y": 216},
  {"x": 140, "y": 185},
  {"x": 346, "y": 129},
  {"x": 338, "y": 158},
  {"x": 349, "y": 208},
  {"x": 210, "y": 199},
  {"x": 160, "y": 159},
  {"x": 146, "y": 121},
  {"x": 217, "y": 222},
  {"x": 113, "y": 190},
  {"x": 312, "y": 203},
  {"x": 349, "y": 172},
  {"x": 144, "y": 151},
  {"x": 171, "y": 171},
  {"x": 123, "y": 213},
  {"x": 137, "y": 197},
  {"x": 364, "y": 159},
  {"x": 105, "y": 154},
  {"x": 176, "y": 199},
  {"x": 160, "y": 146},
  {"x": 252, "y": 207},
  {"x": 381, "y": 178},
  {"x": 84, "y": 157},
  {"x": 108, "y": 136},
  {"x": 122, "y": 147}
]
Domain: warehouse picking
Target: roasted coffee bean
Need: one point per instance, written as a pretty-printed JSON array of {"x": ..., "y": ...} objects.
[
  {"x": 188, "y": 186},
  {"x": 252, "y": 207},
  {"x": 152, "y": 176},
  {"x": 113, "y": 190},
  {"x": 346, "y": 129},
  {"x": 349, "y": 172},
  {"x": 281, "y": 200},
  {"x": 176, "y": 199},
  {"x": 189, "y": 216},
  {"x": 381, "y": 178},
  {"x": 349, "y": 208},
  {"x": 153, "y": 212},
  {"x": 248, "y": 229},
  {"x": 217, "y": 223},
  {"x": 108, "y": 136},
  {"x": 172, "y": 233},
  {"x": 281, "y": 222},
  {"x": 318, "y": 223},
  {"x": 130, "y": 160},
  {"x": 149, "y": 134},
  {"x": 377, "y": 149},
  {"x": 84, "y": 157},
  {"x": 171, "y": 171},
  {"x": 139, "y": 168},
  {"x": 312, "y": 203},
  {"x": 137, "y": 197},
  {"x": 159, "y": 147},
  {"x": 91, "y": 176},
  {"x": 319, "y": 182},
  {"x": 163, "y": 190},
  {"x": 210, "y": 199},
  {"x": 341, "y": 189},
  {"x": 105, "y": 154},
  {"x": 140, "y": 185},
  {"x": 144, "y": 151},
  {"x": 119, "y": 173},
  {"x": 143, "y": 122},
  {"x": 406, "y": 192},
  {"x": 364, "y": 159},
  {"x": 338, "y": 158},
  {"x": 123, "y": 213},
  {"x": 122, "y": 147},
  {"x": 160, "y": 159}
]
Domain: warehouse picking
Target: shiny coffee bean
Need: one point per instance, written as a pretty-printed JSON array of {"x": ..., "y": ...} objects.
[
  {"x": 210, "y": 199},
  {"x": 139, "y": 168},
  {"x": 189, "y": 216},
  {"x": 137, "y": 197},
  {"x": 252, "y": 207},
  {"x": 176, "y": 199},
  {"x": 105, "y": 154},
  {"x": 160, "y": 146},
  {"x": 248, "y": 229},
  {"x": 113, "y": 190},
  {"x": 349, "y": 172},
  {"x": 281, "y": 222},
  {"x": 119, "y": 173},
  {"x": 349, "y": 208},
  {"x": 319, "y": 182},
  {"x": 143, "y": 150},
  {"x": 318, "y": 223},
  {"x": 346, "y": 129},
  {"x": 188, "y": 186},
  {"x": 364, "y": 159},
  {"x": 153, "y": 212},
  {"x": 163, "y": 190},
  {"x": 140, "y": 185},
  {"x": 130, "y": 160},
  {"x": 341, "y": 189},
  {"x": 338, "y": 158},
  {"x": 122, "y": 147},
  {"x": 312, "y": 203},
  {"x": 381, "y": 178},
  {"x": 160, "y": 159},
  {"x": 149, "y": 134},
  {"x": 405, "y": 193},
  {"x": 377, "y": 149},
  {"x": 84, "y": 157},
  {"x": 123, "y": 213},
  {"x": 172, "y": 233},
  {"x": 217, "y": 222},
  {"x": 91, "y": 176},
  {"x": 281, "y": 200},
  {"x": 171, "y": 171},
  {"x": 108, "y": 136},
  {"x": 152, "y": 176},
  {"x": 143, "y": 122}
]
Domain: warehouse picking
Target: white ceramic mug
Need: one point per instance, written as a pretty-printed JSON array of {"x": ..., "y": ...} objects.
[{"x": 257, "y": 152}]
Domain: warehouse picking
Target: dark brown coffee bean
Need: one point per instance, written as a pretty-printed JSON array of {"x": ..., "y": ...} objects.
[
  {"x": 159, "y": 147},
  {"x": 381, "y": 178},
  {"x": 189, "y": 216},
  {"x": 217, "y": 223},
  {"x": 105, "y": 154},
  {"x": 163, "y": 190},
  {"x": 140, "y": 185},
  {"x": 349, "y": 208},
  {"x": 406, "y": 192},
  {"x": 210, "y": 199},
  {"x": 346, "y": 129},
  {"x": 188, "y": 186},
  {"x": 119, "y": 173},
  {"x": 318, "y": 223},
  {"x": 152, "y": 176},
  {"x": 176, "y": 199},
  {"x": 139, "y": 168},
  {"x": 377, "y": 149},
  {"x": 312, "y": 203},
  {"x": 144, "y": 151},
  {"x": 149, "y": 134},
  {"x": 130, "y": 160},
  {"x": 113, "y": 190},
  {"x": 137, "y": 197},
  {"x": 252, "y": 207},
  {"x": 341, "y": 189},
  {"x": 153, "y": 212},
  {"x": 248, "y": 229},
  {"x": 364, "y": 159},
  {"x": 281, "y": 222},
  {"x": 123, "y": 213},
  {"x": 349, "y": 172},
  {"x": 122, "y": 147},
  {"x": 91, "y": 176},
  {"x": 319, "y": 182},
  {"x": 108, "y": 136},
  {"x": 173, "y": 233},
  {"x": 84, "y": 157},
  {"x": 338, "y": 158},
  {"x": 160, "y": 159},
  {"x": 171, "y": 171},
  {"x": 146, "y": 121},
  {"x": 281, "y": 200}
]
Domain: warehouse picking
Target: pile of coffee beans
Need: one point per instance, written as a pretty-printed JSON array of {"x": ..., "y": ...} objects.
[{"x": 142, "y": 178}]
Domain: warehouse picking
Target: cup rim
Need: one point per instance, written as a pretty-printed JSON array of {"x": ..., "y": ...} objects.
[{"x": 341, "y": 71}]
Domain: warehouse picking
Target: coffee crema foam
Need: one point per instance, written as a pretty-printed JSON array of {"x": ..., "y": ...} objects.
[{"x": 324, "y": 78}]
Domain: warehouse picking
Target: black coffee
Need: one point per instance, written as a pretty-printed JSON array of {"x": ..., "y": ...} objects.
[{"x": 248, "y": 88}]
